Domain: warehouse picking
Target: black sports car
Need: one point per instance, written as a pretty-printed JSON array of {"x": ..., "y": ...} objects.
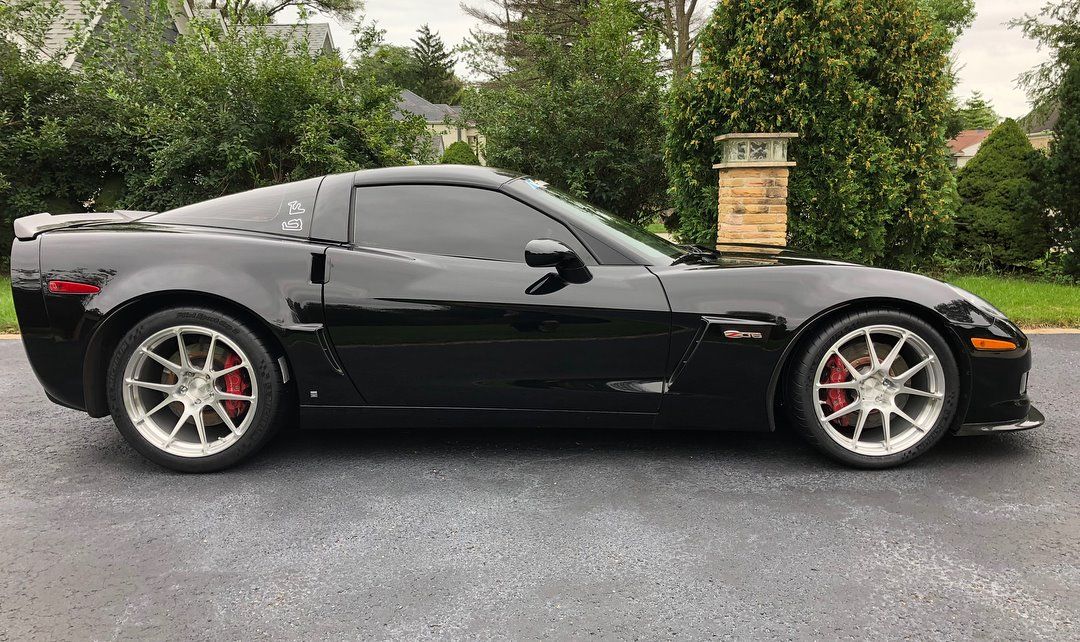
[{"x": 449, "y": 295}]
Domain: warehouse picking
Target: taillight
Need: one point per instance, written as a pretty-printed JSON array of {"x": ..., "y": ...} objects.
[{"x": 72, "y": 287}]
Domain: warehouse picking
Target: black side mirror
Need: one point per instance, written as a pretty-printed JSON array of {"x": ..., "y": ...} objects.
[{"x": 552, "y": 253}]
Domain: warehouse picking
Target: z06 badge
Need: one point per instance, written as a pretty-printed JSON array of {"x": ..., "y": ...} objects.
[{"x": 739, "y": 334}]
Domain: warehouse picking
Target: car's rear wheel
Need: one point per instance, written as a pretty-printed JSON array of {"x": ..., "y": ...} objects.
[
  {"x": 195, "y": 390},
  {"x": 874, "y": 389}
]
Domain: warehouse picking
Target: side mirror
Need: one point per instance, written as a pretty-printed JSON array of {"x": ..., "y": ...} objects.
[{"x": 552, "y": 253}]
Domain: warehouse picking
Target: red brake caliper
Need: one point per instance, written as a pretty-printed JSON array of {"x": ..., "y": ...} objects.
[
  {"x": 236, "y": 385},
  {"x": 837, "y": 397}
]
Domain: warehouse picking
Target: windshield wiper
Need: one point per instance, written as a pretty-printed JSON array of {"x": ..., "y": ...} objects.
[{"x": 694, "y": 254}]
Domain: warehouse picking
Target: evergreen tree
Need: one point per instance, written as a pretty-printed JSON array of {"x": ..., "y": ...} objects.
[
  {"x": 865, "y": 83},
  {"x": 434, "y": 68},
  {"x": 978, "y": 113},
  {"x": 1000, "y": 214},
  {"x": 1063, "y": 171}
]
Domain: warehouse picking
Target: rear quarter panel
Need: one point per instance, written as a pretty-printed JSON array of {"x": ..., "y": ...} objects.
[{"x": 266, "y": 276}]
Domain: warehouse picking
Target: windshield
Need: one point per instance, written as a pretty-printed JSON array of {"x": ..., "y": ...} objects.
[{"x": 589, "y": 216}]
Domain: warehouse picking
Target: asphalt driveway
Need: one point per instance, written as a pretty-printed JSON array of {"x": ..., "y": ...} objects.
[{"x": 509, "y": 534}]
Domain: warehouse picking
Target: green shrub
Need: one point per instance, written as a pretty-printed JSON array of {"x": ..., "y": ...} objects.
[
  {"x": 459, "y": 153},
  {"x": 865, "y": 85},
  {"x": 1000, "y": 215}
]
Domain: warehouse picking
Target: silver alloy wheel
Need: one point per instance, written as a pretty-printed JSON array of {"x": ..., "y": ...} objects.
[
  {"x": 904, "y": 401},
  {"x": 175, "y": 400}
]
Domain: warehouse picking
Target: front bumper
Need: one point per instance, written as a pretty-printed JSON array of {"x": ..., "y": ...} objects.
[{"x": 1034, "y": 419}]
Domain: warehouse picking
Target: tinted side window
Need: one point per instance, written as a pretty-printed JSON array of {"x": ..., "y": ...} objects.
[
  {"x": 452, "y": 221},
  {"x": 278, "y": 209}
]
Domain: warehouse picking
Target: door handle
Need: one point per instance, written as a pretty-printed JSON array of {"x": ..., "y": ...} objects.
[{"x": 320, "y": 269}]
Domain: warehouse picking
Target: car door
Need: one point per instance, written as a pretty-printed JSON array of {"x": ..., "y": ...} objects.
[{"x": 432, "y": 305}]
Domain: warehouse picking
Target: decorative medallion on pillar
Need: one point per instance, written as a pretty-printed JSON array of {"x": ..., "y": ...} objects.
[{"x": 753, "y": 188}]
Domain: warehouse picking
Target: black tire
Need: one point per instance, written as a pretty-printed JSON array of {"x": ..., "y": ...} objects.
[
  {"x": 802, "y": 399},
  {"x": 275, "y": 400}
]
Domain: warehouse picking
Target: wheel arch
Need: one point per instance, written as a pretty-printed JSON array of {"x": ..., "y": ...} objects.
[
  {"x": 931, "y": 317},
  {"x": 121, "y": 319}
]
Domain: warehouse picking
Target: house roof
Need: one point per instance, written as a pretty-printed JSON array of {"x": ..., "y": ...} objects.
[
  {"x": 1041, "y": 120},
  {"x": 61, "y": 30},
  {"x": 315, "y": 34},
  {"x": 966, "y": 139},
  {"x": 432, "y": 112},
  {"x": 72, "y": 16}
]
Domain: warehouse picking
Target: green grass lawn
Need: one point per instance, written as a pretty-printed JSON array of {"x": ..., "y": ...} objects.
[
  {"x": 1030, "y": 304},
  {"x": 7, "y": 309}
]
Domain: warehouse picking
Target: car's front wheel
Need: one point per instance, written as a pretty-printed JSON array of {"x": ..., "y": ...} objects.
[
  {"x": 874, "y": 389},
  {"x": 195, "y": 390}
]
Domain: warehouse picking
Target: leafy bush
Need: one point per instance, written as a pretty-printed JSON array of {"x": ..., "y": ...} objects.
[
  {"x": 152, "y": 125},
  {"x": 459, "y": 153},
  {"x": 225, "y": 112},
  {"x": 1000, "y": 215},
  {"x": 864, "y": 83},
  {"x": 54, "y": 140}
]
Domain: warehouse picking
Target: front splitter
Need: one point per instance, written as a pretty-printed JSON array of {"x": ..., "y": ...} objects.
[{"x": 1034, "y": 419}]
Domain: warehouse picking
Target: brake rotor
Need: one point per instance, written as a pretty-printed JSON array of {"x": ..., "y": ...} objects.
[
  {"x": 859, "y": 358},
  {"x": 235, "y": 382}
]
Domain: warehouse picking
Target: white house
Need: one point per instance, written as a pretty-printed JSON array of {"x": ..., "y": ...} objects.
[
  {"x": 443, "y": 122},
  {"x": 966, "y": 144}
]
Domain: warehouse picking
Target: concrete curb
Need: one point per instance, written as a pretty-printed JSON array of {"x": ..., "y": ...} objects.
[{"x": 1051, "y": 330}]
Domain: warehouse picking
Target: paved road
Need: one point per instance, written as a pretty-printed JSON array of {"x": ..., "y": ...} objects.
[{"x": 510, "y": 534}]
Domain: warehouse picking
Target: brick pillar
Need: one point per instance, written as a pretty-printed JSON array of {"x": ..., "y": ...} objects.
[{"x": 753, "y": 189}]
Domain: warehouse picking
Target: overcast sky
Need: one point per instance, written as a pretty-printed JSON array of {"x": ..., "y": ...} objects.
[{"x": 989, "y": 55}]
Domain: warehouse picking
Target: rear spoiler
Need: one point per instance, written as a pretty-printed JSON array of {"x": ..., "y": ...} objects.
[{"x": 27, "y": 227}]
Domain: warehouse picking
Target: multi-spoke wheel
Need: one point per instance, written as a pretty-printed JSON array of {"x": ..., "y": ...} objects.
[
  {"x": 194, "y": 389},
  {"x": 874, "y": 389}
]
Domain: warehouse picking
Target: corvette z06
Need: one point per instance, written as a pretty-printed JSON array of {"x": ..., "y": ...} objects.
[{"x": 452, "y": 296}]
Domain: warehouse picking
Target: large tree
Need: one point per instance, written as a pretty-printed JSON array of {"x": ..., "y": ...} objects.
[
  {"x": 1063, "y": 171},
  {"x": 1057, "y": 28},
  {"x": 582, "y": 111},
  {"x": 259, "y": 11},
  {"x": 866, "y": 86},
  {"x": 1000, "y": 216},
  {"x": 505, "y": 23},
  {"x": 974, "y": 113},
  {"x": 388, "y": 65},
  {"x": 678, "y": 23},
  {"x": 508, "y": 30},
  {"x": 434, "y": 77}
]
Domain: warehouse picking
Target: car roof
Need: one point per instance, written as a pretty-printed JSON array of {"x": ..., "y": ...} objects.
[{"x": 470, "y": 175}]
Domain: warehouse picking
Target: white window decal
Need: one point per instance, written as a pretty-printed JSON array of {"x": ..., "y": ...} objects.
[{"x": 293, "y": 225}]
